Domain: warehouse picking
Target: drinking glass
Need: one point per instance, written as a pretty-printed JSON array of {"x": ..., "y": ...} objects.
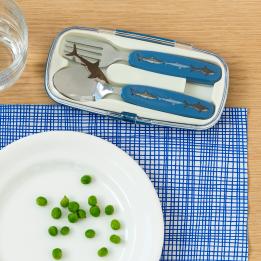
[{"x": 13, "y": 43}]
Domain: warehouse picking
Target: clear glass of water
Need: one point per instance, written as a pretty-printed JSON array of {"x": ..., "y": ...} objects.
[{"x": 13, "y": 43}]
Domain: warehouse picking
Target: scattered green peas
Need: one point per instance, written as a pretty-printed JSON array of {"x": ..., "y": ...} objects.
[
  {"x": 41, "y": 201},
  {"x": 90, "y": 233},
  {"x": 81, "y": 213},
  {"x": 57, "y": 253},
  {"x": 73, "y": 206},
  {"x": 56, "y": 213},
  {"x": 115, "y": 239},
  {"x": 115, "y": 224},
  {"x": 103, "y": 252},
  {"x": 64, "y": 202},
  {"x": 65, "y": 231},
  {"x": 95, "y": 211},
  {"x": 73, "y": 217},
  {"x": 53, "y": 231},
  {"x": 92, "y": 201},
  {"x": 75, "y": 214},
  {"x": 86, "y": 179},
  {"x": 109, "y": 210}
]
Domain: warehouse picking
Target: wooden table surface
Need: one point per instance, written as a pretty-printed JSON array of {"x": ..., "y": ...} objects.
[{"x": 232, "y": 29}]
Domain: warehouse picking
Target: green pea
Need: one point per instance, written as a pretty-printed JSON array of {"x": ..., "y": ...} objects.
[
  {"x": 41, "y": 201},
  {"x": 115, "y": 239},
  {"x": 90, "y": 233},
  {"x": 65, "y": 231},
  {"x": 115, "y": 224},
  {"x": 73, "y": 217},
  {"x": 81, "y": 213},
  {"x": 56, "y": 213},
  {"x": 64, "y": 202},
  {"x": 95, "y": 211},
  {"x": 86, "y": 179},
  {"x": 103, "y": 252},
  {"x": 57, "y": 253},
  {"x": 53, "y": 231},
  {"x": 73, "y": 206},
  {"x": 92, "y": 201},
  {"x": 109, "y": 210}
]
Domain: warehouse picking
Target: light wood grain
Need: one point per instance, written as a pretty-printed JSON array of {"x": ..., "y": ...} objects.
[{"x": 229, "y": 28}]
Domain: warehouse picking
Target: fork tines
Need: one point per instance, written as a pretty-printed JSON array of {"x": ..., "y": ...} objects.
[{"x": 84, "y": 50}]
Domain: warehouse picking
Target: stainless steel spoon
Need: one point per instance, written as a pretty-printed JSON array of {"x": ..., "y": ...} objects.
[{"x": 73, "y": 82}]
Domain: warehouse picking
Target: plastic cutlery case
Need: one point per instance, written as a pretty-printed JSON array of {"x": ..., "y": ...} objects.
[{"x": 136, "y": 77}]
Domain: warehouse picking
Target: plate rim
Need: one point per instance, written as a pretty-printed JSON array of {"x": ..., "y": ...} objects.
[{"x": 154, "y": 196}]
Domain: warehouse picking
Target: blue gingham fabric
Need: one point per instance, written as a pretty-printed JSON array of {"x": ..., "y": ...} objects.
[{"x": 200, "y": 176}]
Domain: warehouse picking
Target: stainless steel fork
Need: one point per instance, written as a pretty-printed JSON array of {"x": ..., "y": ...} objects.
[
  {"x": 105, "y": 53},
  {"x": 193, "y": 70}
]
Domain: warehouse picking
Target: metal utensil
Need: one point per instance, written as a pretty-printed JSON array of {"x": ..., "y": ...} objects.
[
  {"x": 130, "y": 76},
  {"x": 73, "y": 83},
  {"x": 194, "y": 70}
]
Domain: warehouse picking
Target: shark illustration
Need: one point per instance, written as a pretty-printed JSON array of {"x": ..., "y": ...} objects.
[
  {"x": 171, "y": 101},
  {"x": 149, "y": 60},
  {"x": 203, "y": 70},
  {"x": 149, "y": 96},
  {"x": 145, "y": 94},
  {"x": 179, "y": 65},
  {"x": 196, "y": 106},
  {"x": 157, "y": 61},
  {"x": 93, "y": 68}
]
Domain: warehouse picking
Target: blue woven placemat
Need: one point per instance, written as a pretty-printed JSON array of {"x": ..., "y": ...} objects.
[{"x": 200, "y": 176}]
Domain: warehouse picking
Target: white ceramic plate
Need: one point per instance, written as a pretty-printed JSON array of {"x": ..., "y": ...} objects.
[{"x": 51, "y": 164}]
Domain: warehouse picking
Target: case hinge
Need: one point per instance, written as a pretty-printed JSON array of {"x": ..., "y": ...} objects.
[{"x": 127, "y": 116}]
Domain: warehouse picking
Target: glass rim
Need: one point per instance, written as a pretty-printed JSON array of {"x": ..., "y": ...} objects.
[{"x": 11, "y": 73}]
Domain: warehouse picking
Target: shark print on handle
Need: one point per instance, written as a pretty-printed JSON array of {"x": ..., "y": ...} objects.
[
  {"x": 194, "y": 70},
  {"x": 168, "y": 101}
]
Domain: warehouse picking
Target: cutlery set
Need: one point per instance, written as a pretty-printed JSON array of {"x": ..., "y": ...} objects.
[{"x": 117, "y": 75}]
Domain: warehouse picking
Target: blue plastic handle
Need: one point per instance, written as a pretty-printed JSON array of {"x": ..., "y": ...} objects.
[
  {"x": 193, "y": 70},
  {"x": 167, "y": 101}
]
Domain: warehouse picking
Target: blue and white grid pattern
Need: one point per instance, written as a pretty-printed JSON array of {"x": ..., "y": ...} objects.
[{"x": 200, "y": 176}]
